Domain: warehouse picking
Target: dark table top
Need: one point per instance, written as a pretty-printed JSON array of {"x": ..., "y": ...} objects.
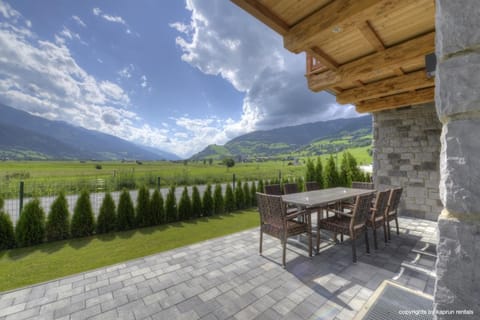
[{"x": 321, "y": 198}]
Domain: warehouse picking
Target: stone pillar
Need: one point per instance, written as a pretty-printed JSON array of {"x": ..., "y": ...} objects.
[{"x": 458, "y": 108}]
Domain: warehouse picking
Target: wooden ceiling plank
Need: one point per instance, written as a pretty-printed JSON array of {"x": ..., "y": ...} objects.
[
  {"x": 371, "y": 36},
  {"x": 375, "y": 64},
  {"x": 338, "y": 16},
  {"x": 397, "y": 101},
  {"x": 325, "y": 59},
  {"x": 412, "y": 81},
  {"x": 263, "y": 14}
]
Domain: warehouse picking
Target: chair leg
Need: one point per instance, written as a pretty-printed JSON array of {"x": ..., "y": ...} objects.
[
  {"x": 341, "y": 237},
  {"x": 261, "y": 241},
  {"x": 354, "y": 251},
  {"x": 396, "y": 223},
  {"x": 367, "y": 245},
  {"x": 374, "y": 237},
  {"x": 310, "y": 243},
  {"x": 284, "y": 244},
  {"x": 318, "y": 241},
  {"x": 388, "y": 230},
  {"x": 385, "y": 232}
]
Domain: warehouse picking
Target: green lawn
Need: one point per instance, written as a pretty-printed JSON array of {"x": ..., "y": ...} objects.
[{"x": 21, "y": 267}]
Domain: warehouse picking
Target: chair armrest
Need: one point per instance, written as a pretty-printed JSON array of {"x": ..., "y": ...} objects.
[
  {"x": 345, "y": 214},
  {"x": 295, "y": 214}
]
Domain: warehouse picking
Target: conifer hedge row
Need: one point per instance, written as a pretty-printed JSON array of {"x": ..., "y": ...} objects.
[{"x": 34, "y": 227}]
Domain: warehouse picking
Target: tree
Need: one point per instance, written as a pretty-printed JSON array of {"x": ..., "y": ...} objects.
[
  {"x": 230, "y": 205},
  {"x": 310, "y": 174},
  {"x": 210, "y": 161},
  {"x": 253, "y": 194},
  {"x": 30, "y": 228},
  {"x": 355, "y": 172},
  {"x": 345, "y": 177},
  {"x": 142, "y": 214},
  {"x": 171, "y": 205},
  {"x": 246, "y": 195},
  {"x": 58, "y": 224},
  {"x": 125, "y": 212},
  {"x": 319, "y": 173},
  {"x": 331, "y": 174},
  {"x": 7, "y": 235},
  {"x": 107, "y": 218},
  {"x": 229, "y": 162},
  {"x": 218, "y": 202},
  {"x": 239, "y": 197},
  {"x": 260, "y": 186},
  {"x": 204, "y": 161},
  {"x": 196, "y": 203},
  {"x": 207, "y": 201},
  {"x": 184, "y": 206},
  {"x": 157, "y": 210},
  {"x": 83, "y": 220}
]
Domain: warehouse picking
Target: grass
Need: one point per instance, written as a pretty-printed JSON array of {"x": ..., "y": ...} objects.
[{"x": 26, "y": 266}]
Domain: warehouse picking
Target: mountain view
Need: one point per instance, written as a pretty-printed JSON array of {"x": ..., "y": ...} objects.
[
  {"x": 323, "y": 137},
  {"x": 27, "y": 137}
]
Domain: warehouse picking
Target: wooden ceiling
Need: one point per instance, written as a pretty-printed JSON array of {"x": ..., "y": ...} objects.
[{"x": 370, "y": 53}]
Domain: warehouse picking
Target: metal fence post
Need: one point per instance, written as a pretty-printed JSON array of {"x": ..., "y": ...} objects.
[
  {"x": 20, "y": 197},
  {"x": 234, "y": 182}
]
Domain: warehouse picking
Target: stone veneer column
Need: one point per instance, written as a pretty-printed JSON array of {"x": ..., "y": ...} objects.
[{"x": 458, "y": 107}]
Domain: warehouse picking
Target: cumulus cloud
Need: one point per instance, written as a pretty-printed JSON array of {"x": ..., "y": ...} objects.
[
  {"x": 223, "y": 40},
  {"x": 43, "y": 78}
]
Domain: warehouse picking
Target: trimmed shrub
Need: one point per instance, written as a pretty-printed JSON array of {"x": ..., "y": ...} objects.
[
  {"x": 331, "y": 174},
  {"x": 83, "y": 221},
  {"x": 260, "y": 188},
  {"x": 246, "y": 195},
  {"x": 125, "y": 212},
  {"x": 230, "y": 205},
  {"x": 218, "y": 202},
  {"x": 207, "y": 201},
  {"x": 58, "y": 224},
  {"x": 196, "y": 203},
  {"x": 184, "y": 206},
  {"x": 7, "y": 235},
  {"x": 107, "y": 219},
  {"x": 30, "y": 228},
  {"x": 157, "y": 210},
  {"x": 253, "y": 194},
  {"x": 142, "y": 214},
  {"x": 239, "y": 198},
  {"x": 319, "y": 173},
  {"x": 171, "y": 205}
]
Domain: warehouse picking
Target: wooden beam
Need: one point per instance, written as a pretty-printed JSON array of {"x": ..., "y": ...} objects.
[
  {"x": 325, "y": 59},
  {"x": 372, "y": 37},
  {"x": 397, "y": 101},
  {"x": 338, "y": 16},
  {"x": 409, "y": 82},
  {"x": 375, "y": 64},
  {"x": 262, "y": 13}
]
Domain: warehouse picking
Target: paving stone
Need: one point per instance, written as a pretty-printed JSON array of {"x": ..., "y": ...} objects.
[
  {"x": 86, "y": 313},
  {"x": 26, "y": 314},
  {"x": 69, "y": 309}
]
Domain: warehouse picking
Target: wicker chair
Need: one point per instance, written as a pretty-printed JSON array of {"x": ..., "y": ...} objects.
[
  {"x": 377, "y": 216},
  {"x": 274, "y": 189},
  {"x": 290, "y": 188},
  {"x": 353, "y": 223},
  {"x": 362, "y": 185},
  {"x": 312, "y": 185},
  {"x": 275, "y": 221},
  {"x": 391, "y": 212}
]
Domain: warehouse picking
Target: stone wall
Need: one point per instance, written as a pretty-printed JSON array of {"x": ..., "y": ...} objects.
[
  {"x": 457, "y": 98},
  {"x": 406, "y": 148}
]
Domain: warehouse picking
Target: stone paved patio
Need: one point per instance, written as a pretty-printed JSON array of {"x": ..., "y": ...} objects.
[{"x": 225, "y": 278}]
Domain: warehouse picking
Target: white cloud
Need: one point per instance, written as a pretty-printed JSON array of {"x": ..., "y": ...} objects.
[
  {"x": 126, "y": 73},
  {"x": 111, "y": 18},
  {"x": 79, "y": 21},
  {"x": 116, "y": 19},
  {"x": 143, "y": 84},
  {"x": 8, "y": 12},
  {"x": 43, "y": 78},
  {"x": 97, "y": 11},
  {"x": 223, "y": 40}
]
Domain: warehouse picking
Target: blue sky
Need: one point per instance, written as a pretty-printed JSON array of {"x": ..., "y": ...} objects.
[{"x": 171, "y": 74}]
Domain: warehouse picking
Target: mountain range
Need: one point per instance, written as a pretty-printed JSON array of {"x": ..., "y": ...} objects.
[
  {"x": 27, "y": 137},
  {"x": 309, "y": 139}
]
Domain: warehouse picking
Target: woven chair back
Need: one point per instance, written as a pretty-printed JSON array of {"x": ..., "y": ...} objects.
[
  {"x": 290, "y": 188},
  {"x": 274, "y": 189},
  {"x": 361, "y": 211},
  {"x": 271, "y": 208},
  {"x": 381, "y": 203},
  {"x": 312, "y": 185},
  {"x": 394, "y": 200}
]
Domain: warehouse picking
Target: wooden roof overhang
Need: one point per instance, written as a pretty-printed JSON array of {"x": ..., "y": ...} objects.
[{"x": 370, "y": 53}]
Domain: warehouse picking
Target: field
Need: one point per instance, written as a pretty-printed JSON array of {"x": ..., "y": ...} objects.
[{"x": 48, "y": 177}]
